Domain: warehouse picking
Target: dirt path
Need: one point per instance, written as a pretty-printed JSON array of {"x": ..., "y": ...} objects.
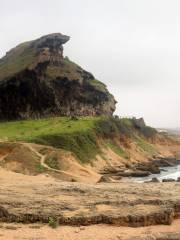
[{"x": 42, "y": 160}]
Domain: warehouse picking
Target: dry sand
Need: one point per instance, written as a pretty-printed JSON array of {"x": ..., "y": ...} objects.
[
  {"x": 28, "y": 191},
  {"x": 94, "y": 232}
]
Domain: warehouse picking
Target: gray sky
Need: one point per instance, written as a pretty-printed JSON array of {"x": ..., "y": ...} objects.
[{"x": 131, "y": 45}]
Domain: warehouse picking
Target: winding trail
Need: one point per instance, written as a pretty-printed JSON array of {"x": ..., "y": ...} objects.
[
  {"x": 41, "y": 156},
  {"x": 42, "y": 160}
]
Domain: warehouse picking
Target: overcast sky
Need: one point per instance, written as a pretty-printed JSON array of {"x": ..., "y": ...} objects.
[{"x": 133, "y": 46}]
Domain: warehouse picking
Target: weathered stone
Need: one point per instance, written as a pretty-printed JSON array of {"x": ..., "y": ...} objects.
[
  {"x": 178, "y": 180},
  {"x": 149, "y": 166},
  {"x": 168, "y": 180},
  {"x": 139, "y": 123},
  {"x": 154, "y": 180},
  {"x": 158, "y": 236},
  {"x": 105, "y": 179},
  {"x": 37, "y": 81},
  {"x": 121, "y": 204}
]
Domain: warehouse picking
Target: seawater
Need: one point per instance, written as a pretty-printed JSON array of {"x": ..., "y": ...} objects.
[{"x": 166, "y": 172}]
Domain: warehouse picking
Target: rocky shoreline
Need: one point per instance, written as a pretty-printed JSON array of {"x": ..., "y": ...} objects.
[{"x": 139, "y": 170}]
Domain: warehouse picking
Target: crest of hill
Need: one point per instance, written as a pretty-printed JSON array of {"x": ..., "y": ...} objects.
[
  {"x": 37, "y": 67},
  {"x": 25, "y": 54}
]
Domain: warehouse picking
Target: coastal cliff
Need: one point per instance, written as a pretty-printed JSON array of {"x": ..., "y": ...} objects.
[{"x": 36, "y": 81}]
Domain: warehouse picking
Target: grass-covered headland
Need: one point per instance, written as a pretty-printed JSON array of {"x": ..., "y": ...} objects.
[{"x": 82, "y": 136}]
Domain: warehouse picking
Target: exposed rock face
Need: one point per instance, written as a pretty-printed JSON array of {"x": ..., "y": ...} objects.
[
  {"x": 139, "y": 123},
  {"x": 121, "y": 204},
  {"x": 37, "y": 81}
]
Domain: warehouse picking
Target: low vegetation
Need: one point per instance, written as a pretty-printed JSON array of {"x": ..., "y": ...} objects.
[
  {"x": 68, "y": 70},
  {"x": 118, "y": 150},
  {"x": 52, "y": 162},
  {"x": 98, "y": 85},
  {"x": 53, "y": 222},
  {"x": 82, "y": 136},
  {"x": 145, "y": 146},
  {"x": 40, "y": 168},
  {"x": 17, "y": 60},
  {"x": 29, "y": 130}
]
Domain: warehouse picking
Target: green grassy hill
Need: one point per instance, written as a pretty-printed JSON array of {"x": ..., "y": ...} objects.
[{"x": 82, "y": 136}]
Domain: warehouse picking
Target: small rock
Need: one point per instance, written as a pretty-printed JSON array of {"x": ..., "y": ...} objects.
[
  {"x": 119, "y": 237},
  {"x": 168, "y": 180},
  {"x": 82, "y": 228},
  {"x": 35, "y": 226},
  {"x": 178, "y": 180},
  {"x": 154, "y": 179},
  {"x": 11, "y": 227},
  {"x": 105, "y": 179}
]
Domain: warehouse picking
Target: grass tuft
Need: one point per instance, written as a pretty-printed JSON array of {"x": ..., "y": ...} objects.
[
  {"x": 40, "y": 168},
  {"x": 145, "y": 146},
  {"x": 53, "y": 222},
  {"x": 118, "y": 150}
]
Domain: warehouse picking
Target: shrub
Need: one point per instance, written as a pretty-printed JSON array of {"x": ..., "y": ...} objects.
[
  {"x": 148, "y": 132},
  {"x": 74, "y": 118},
  {"x": 106, "y": 127},
  {"x": 40, "y": 168},
  {"x": 53, "y": 222},
  {"x": 52, "y": 162}
]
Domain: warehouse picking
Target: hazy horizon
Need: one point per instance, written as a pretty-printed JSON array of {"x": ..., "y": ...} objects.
[{"x": 131, "y": 46}]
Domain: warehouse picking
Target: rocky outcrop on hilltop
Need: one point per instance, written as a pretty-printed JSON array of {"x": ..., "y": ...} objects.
[{"x": 36, "y": 80}]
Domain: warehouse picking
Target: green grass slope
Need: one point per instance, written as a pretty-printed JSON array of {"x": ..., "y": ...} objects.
[
  {"x": 81, "y": 136},
  {"x": 17, "y": 60}
]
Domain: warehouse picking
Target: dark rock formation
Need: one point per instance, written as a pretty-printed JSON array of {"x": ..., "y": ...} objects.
[
  {"x": 178, "y": 180},
  {"x": 168, "y": 180},
  {"x": 37, "y": 81},
  {"x": 139, "y": 123},
  {"x": 105, "y": 179},
  {"x": 155, "y": 180}
]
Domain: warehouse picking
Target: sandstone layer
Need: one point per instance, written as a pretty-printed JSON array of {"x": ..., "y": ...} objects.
[{"x": 30, "y": 199}]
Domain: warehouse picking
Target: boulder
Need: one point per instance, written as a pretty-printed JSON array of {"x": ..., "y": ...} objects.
[
  {"x": 134, "y": 173},
  {"x": 105, "y": 179},
  {"x": 178, "y": 180},
  {"x": 155, "y": 180},
  {"x": 139, "y": 122}
]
